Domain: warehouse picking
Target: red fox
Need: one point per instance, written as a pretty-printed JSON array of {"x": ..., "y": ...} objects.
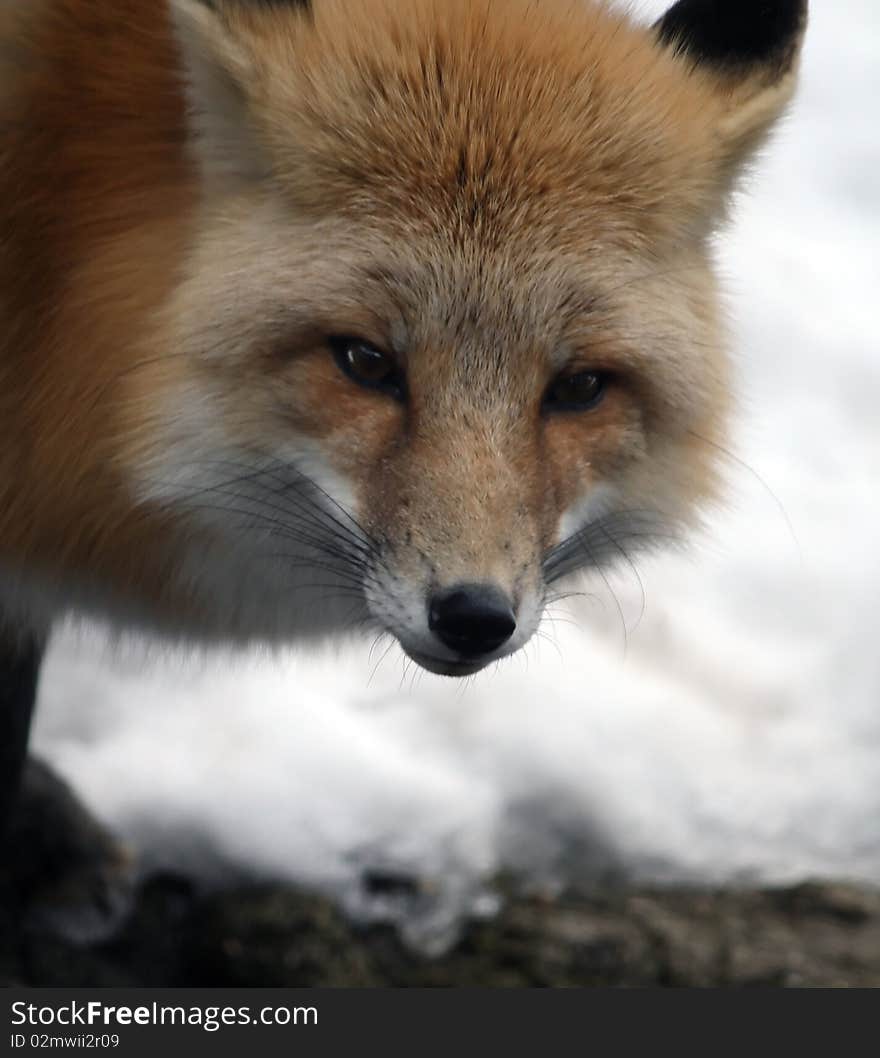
[{"x": 323, "y": 314}]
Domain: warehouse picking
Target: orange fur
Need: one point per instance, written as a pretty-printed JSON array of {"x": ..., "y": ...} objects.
[{"x": 94, "y": 197}]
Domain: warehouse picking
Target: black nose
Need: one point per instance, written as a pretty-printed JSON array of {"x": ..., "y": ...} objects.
[{"x": 472, "y": 619}]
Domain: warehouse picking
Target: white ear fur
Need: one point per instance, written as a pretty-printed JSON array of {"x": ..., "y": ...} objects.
[
  {"x": 753, "y": 111},
  {"x": 217, "y": 68}
]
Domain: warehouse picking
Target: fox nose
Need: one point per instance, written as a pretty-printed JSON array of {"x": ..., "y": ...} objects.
[{"x": 472, "y": 619}]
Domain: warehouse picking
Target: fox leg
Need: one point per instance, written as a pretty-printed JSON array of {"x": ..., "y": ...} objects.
[
  {"x": 60, "y": 867},
  {"x": 21, "y": 654}
]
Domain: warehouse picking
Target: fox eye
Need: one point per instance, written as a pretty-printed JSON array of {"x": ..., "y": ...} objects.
[
  {"x": 580, "y": 392},
  {"x": 368, "y": 366}
]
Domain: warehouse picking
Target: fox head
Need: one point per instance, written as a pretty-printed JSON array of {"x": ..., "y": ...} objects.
[{"x": 447, "y": 330}]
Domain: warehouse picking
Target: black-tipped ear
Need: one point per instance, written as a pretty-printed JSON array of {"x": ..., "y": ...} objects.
[
  {"x": 731, "y": 34},
  {"x": 747, "y": 52}
]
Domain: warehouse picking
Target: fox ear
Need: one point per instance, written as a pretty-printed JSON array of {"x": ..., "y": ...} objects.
[
  {"x": 749, "y": 51},
  {"x": 217, "y": 51}
]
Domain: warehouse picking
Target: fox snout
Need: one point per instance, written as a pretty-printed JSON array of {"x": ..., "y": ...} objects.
[{"x": 458, "y": 581}]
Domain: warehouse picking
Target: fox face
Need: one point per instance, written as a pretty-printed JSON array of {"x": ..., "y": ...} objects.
[
  {"x": 444, "y": 327},
  {"x": 450, "y": 311}
]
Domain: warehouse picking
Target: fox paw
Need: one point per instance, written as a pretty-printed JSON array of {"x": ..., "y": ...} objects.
[{"x": 61, "y": 870}]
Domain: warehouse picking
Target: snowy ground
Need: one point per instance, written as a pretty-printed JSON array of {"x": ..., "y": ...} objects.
[{"x": 736, "y": 736}]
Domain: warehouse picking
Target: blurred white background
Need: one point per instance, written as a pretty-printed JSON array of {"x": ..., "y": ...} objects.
[{"x": 734, "y": 736}]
